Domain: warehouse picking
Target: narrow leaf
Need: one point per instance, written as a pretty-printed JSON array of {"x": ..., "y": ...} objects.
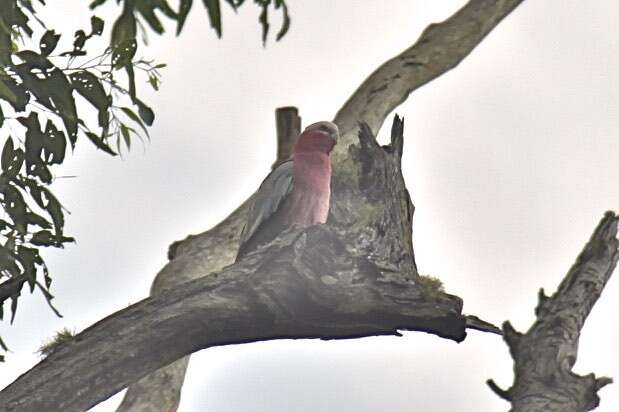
[
  {"x": 12, "y": 92},
  {"x": 48, "y": 42},
  {"x": 214, "y": 14},
  {"x": 89, "y": 86},
  {"x": 183, "y": 11},
  {"x": 146, "y": 113},
  {"x": 285, "y": 23},
  {"x": 96, "y": 3},
  {"x": 54, "y": 145},
  {"x": 13, "y": 307},
  {"x": 36, "y": 220},
  {"x": 6, "y": 93},
  {"x": 147, "y": 11},
  {"x": 80, "y": 40},
  {"x": 7, "y": 154},
  {"x": 96, "y": 25},
  {"x": 48, "y": 298},
  {"x": 131, "y": 114},
  {"x": 43, "y": 238},
  {"x": 12, "y": 160},
  {"x": 100, "y": 143},
  {"x": 264, "y": 20},
  {"x": 123, "y": 38},
  {"x": 125, "y": 133},
  {"x": 131, "y": 78},
  {"x": 54, "y": 208},
  {"x": 151, "y": 79}
]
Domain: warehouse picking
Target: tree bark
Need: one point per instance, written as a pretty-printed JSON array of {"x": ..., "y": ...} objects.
[
  {"x": 311, "y": 288},
  {"x": 545, "y": 355},
  {"x": 308, "y": 283},
  {"x": 288, "y": 125},
  {"x": 440, "y": 48}
]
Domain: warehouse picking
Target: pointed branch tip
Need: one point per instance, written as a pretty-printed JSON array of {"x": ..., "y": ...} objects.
[
  {"x": 601, "y": 382},
  {"x": 501, "y": 393},
  {"x": 473, "y": 322}
]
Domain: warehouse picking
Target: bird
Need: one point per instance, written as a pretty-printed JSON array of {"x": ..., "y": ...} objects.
[{"x": 296, "y": 193}]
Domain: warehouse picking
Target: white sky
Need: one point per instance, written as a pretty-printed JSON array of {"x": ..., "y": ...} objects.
[{"x": 511, "y": 160}]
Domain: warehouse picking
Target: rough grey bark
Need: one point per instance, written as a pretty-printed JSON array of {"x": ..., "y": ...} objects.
[
  {"x": 545, "y": 355},
  {"x": 308, "y": 283},
  {"x": 440, "y": 48}
]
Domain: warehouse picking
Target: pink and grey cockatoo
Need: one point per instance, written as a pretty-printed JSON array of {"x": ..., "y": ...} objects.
[{"x": 297, "y": 192}]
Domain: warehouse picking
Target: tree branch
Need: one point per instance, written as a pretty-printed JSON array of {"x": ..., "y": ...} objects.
[
  {"x": 311, "y": 283},
  {"x": 305, "y": 285},
  {"x": 439, "y": 49},
  {"x": 545, "y": 355},
  {"x": 288, "y": 124}
]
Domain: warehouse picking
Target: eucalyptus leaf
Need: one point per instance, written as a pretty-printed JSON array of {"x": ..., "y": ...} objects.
[
  {"x": 184, "y": 7},
  {"x": 214, "y": 14},
  {"x": 7, "y": 154},
  {"x": 98, "y": 141},
  {"x": 42, "y": 238},
  {"x": 147, "y": 11},
  {"x": 89, "y": 86},
  {"x": 264, "y": 18},
  {"x": 36, "y": 220},
  {"x": 96, "y": 3},
  {"x": 13, "y": 307},
  {"x": 146, "y": 113},
  {"x": 54, "y": 91},
  {"x": 124, "y": 130},
  {"x": 134, "y": 117},
  {"x": 54, "y": 144},
  {"x": 79, "y": 40},
  {"x": 96, "y": 25},
  {"x": 123, "y": 38},
  {"x": 34, "y": 60},
  {"x": 48, "y": 42},
  {"x": 54, "y": 208},
  {"x": 6, "y": 93},
  {"x": 13, "y": 93},
  {"x": 286, "y": 19}
]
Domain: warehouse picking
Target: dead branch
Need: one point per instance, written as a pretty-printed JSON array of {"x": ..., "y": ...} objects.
[
  {"x": 545, "y": 355},
  {"x": 318, "y": 282}
]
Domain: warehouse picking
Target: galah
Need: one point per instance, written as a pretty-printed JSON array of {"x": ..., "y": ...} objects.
[{"x": 297, "y": 192}]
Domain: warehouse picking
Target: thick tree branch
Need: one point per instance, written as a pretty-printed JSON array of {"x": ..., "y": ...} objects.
[
  {"x": 545, "y": 355},
  {"x": 314, "y": 283},
  {"x": 439, "y": 49},
  {"x": 305, "y": 285}
]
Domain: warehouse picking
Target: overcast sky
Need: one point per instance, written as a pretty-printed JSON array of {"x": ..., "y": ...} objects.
[{"x": 511, "y": 160}]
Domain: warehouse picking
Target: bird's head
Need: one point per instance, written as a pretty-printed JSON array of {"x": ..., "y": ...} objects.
[{"x": 318, "y": 137}]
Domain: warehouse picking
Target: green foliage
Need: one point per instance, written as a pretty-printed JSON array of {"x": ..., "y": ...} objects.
[
  {"x": 61, "y": 337},
  {"x": 41, "y": 84}
]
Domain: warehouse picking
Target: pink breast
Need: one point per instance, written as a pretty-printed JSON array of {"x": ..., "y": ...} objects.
[{"x": 309, "y": 200}]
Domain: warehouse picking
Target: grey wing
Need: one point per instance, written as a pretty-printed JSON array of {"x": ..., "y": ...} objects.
[{"x": 267, "y": 199}]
